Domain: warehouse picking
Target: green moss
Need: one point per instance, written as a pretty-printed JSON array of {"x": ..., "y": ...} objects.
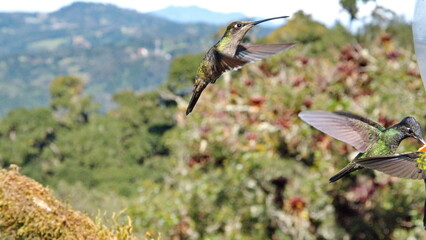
[{"x": 29, "y": 211}]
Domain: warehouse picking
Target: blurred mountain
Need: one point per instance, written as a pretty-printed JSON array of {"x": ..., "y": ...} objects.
[
  {"x": 194, "y": 14},
  {"x": 109, "y": 47}
]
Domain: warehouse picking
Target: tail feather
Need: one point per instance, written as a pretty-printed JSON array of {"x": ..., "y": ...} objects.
[
  {"x": 198, "y": 89},
  {"x": 345, "y": 171}
]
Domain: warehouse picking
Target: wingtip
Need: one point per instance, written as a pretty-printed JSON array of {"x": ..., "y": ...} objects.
[
  {"x": 300, "y": 113},
  {"x": 303, "y": 114},
  {"x": 312, "y": 114}
]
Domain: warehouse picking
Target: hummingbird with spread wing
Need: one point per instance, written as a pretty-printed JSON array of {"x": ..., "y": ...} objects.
[
  {"x": 368, "y": 137},
  {"x": 230, "y": 54}
]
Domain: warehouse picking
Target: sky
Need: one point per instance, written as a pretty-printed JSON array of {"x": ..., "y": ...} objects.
[{"x": 326, "y": 11}]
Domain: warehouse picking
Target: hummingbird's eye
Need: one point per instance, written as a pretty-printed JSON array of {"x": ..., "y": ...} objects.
[{"x": 238, "y": 25}]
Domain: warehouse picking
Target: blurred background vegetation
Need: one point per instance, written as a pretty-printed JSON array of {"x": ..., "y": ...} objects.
[{"x": 242, "y": 165}]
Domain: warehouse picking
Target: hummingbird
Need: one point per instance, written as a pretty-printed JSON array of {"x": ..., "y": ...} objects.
[
  {"x": 368, "y": 137},
  {"x": 230, "y": 54},
  {"x": 406, "y": 165}
]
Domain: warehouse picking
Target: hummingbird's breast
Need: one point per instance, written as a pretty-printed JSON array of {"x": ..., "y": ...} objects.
[
  {"x": 227, "y": 46},
  {"x": 208, "y": 70}
]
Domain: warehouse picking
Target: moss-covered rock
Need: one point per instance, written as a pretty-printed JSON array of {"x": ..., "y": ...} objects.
[{"x": 29, "y": 211}]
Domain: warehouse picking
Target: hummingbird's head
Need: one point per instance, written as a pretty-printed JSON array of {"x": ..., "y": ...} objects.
[
  {"x": 238, "y": 29},
  {"x": 411, "y": 128}
]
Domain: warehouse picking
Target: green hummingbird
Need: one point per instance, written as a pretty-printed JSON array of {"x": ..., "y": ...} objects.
[
  {"x": 230, "y": 54},
  {"x": 368, "y": 137},
  {"x": 406, "y": 165}
]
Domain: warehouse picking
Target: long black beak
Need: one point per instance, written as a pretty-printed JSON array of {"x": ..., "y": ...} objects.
[
  {"x": 420, "y": 138},
  {"x": 268, "y": 19}
]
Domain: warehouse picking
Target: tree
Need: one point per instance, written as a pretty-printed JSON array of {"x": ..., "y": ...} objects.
[
  {"x": 351, "y": 7},
  {"x": 182, "y": 72},
  {"x": 68, "y": 100}
]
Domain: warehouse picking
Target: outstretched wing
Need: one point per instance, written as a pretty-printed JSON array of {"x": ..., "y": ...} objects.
[
  {"x": 226, "y": 63},
  {"x": 406, "y": 165},
  {"x": 253, "y": 52},
  {"x": 347, "y": 127},
  {"x": 246, "y": 53}
]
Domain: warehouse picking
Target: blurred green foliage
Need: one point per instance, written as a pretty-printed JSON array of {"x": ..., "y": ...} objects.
[
  {"x": 71, "y": 142},
  {"x": 242, "y": 165}
]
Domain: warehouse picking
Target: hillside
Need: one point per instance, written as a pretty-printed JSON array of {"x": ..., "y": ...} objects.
[
  {"x": 110, "y": 47},
  {"x": 87, "y": 25}
]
